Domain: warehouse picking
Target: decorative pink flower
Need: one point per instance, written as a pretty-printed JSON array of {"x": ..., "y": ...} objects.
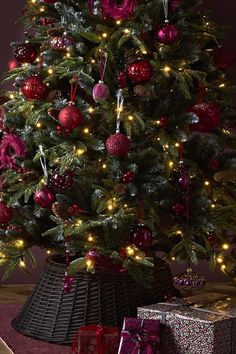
[
  {"x": 11, "y": 147},
  {"x": 116, "y": 11}
]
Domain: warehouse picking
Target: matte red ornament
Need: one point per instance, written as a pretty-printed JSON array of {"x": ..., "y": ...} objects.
[
  {"x": 140, "y": 71},
  {"x": 118, "y": 11},
  {"x": 44, "y": 198},
  {"x": 118, "y": 145},
  {"x": 224, "y": 57},
  {"x": 209, "y": 117},
  {"x": 47, "y": 21},
  {"x": 25, "y": 53},
  {"x": 128, "y": 177},
  {"x": 167, "y": 34},
  {"x": 34, "y": 88},
  {"x": 163, "y": 122},
  {"x": 61, "y": 42},
  {"x": 122, "y": 81},
  {"x": 60, "y": 181},
  {"x": 70, "y": 117},
  {"x": 142, "y": 237},
  {"x": 13, "y": 64},
  {"x": 6, "y": 213}
]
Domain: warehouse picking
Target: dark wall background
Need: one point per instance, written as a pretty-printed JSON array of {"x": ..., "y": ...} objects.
[{"x": 223, "y": 13}]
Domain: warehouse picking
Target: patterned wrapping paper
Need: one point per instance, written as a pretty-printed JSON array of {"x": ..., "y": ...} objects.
[
  {"x": 208, "y": 330},
  {"x": 140, "y": 337}
]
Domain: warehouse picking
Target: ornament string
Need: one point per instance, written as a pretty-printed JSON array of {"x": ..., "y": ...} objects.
[
  {"x": 120, "y": 105},
  {"x": 43, "y": 162},
  {"x": 166, "y": 8},
  {"x": 74, "y": 88},
  {"x": 103, "y": 64}
]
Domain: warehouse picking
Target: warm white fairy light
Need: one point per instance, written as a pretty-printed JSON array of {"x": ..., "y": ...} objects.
[{"x": 225, "y": 246}]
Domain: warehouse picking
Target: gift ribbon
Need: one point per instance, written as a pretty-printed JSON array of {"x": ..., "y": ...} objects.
[{"x": 142, "y": 341}]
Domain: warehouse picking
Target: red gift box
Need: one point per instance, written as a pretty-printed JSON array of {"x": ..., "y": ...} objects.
[{"x": 96, "y": 339}]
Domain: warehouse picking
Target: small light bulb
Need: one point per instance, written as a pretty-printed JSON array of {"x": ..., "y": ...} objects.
[
  {"x": 220, "y": 260},
  {"x": 79, "y": 152},
  {"x": 118, "y": 22},
  {"x": 68, "y": 55},
  {"x": 12, "y": 96},
  {"x": 126, "y": 30},
  {"x": 144, "y": 52},
  {"x": 171, "y": 164},
  {"x": 213, "y": 206},
  {"x": 173, "y": 258},
  {"x": 110, "y": 207},
  {"x": 222, "y": 85},
  {"x": 93, "y": 61},
  {"x": 19, "y": 243},
  {"x": 91, "y": 110},
  {"x": 130, "y": 118},
  {"x": 137, "y": 257},
  {"x": 89, "y": 263},
  {"x": 49, "y": 252},
  {"x": 225, "y": 246},
  {"x": 176, "y": 144},
  {"x": 223, "y": 267},
  {"x": 179, "y": 233},
  {"x": 104, "y": 35},
  {"x": 78, "y": 222},
  {"x": 90, "y": 238},
  {"x": 125, "y": 205},
  {"x": 86, "y": 130},
  {"x": 104, "y": 166},
  {"x": 22, "y": 264},
  {"x": 50, "y": 71},
  {"x": 130, "y": 251},
  {"x": 33, "y": 1},
  {"x": 207, "y": 183},
  {"x": 167, "y": 69},
  {"x": 42, "y": 9},
  {"x": 39, "y": 125}
]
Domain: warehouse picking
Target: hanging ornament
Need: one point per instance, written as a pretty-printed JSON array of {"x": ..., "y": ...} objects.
[
  {"x": 142, "y": 237},
  {"x": 59, "y": 181},
  {"x": 213, "y": 240},
  {"x": 54, "y": 95},
  {"x": 140, "y": 71},
  {"x": 13, "y": 64},
  {"x": 62, "y": 42},
  {"x": 12, "y": 147},
  {"x": 44, "y": 198},
  {"x": 163, "y": 122},
  {"x": 6, "y": 213},
  {"x": 25, "y": 53},
  {"x": 47, "y": 21},
  {"x": 209, "y": 117},
  {"x": 214, "y": 164},
  {"x": 189, "y": 281},
  {"x": 101, "y": 91},
  {"x": 60, "y": 211},
  {"x": 122, "y": 80},
  {"x": 99, "y": 260},
  {"x": 76, "y": 210},
  {"x": 70, "y": 117},
  {"x": 50, "y": 1},
  {"x": 34, "y": 88},
  {"x": 175, "y": 5},
  {"x": 128, "y": 177},
  {"x": 118, "y": 144},
  {"x": 118, "y": 11},
  {"x": 178, "y": 209},
  {"x": 224, "y": 57},
  {"x": 168, "y": 33}
]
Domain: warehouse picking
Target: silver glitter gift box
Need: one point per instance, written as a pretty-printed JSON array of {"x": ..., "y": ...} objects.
[{"x": 199, "y": 329}]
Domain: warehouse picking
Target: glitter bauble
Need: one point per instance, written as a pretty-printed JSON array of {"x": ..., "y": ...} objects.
[
  {"x": 6, "y": 213},
  {"x": 209, "y": 117},
  {"x": 140, "y": 71},
  {"x": 44, "y": 198},
  {"x": 118, "y": 144},
  {"x": 189, "y": 281},
  {"x": 167, "y": 34},
  {"x": 25, "y": 53},
  {"x": 163, "y": 122},
  {"x": 61, "y": 42},
  {"x": 224, "y": 57},
  {"x": 68, "y": 281},
  {"x": 47, "y": 21},
  {"x": 62, "y": 181},
  {"x": 100, "y": 91},
  {"x": 142, "y": 237},
  {"x": 76, "y": 210},
  {"x": 70, "y": 117},
  {"x": 178, "y": 209},
  {"x": 34, "y": 88},
  {"x": 128, "y": 177}
]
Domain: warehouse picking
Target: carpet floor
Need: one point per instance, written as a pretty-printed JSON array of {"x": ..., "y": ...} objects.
[{"x": 20, "y": 344}]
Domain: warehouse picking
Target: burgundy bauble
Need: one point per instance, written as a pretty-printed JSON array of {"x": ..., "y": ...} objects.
[
  {"x": 25, "y": 53},
  {"x": 13, "y": 64},
  {"x": 44, "y": 198},
  {"x": 224, "y": 57},
  {"x": 122, "y": 80},
  {"x": 61, "y": 42},
  {"x": 140, "y": 71},
  {"x": 163, "y": 122},
  {"x": 174, "y": 5},
  {"x": 209, "y": 117},
  {"x": 6, "y": 213},
  {"x": 76, "y": 210},
  {"x": 118, "y": 144},
  {"x": 128, "y": 177},
  {"x": 60, "y": 181},
  {"x": 184, "y": 181},
  {"x": 100, "y": 92},
  {"x": 103, "y": 261},
  {"x": 178, "y": 209},
  {"x": 34, "y": 88},
  {"x": 47, "y": 21},
  {"x": 142, "y": 237},
  {"x": 214, "y": 164},
  {"x": 70, "y": 117},
  {"x": 62, "y": 131},
  {"x": 167, "y": 34}
]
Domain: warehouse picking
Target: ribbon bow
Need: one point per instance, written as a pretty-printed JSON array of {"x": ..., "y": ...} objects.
[{"x": 142, "y": 339}]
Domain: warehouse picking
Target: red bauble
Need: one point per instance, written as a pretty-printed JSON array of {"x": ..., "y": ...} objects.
[
  {"x": 118, "y": 145},
  {"x": 102, "y": 261},
  {"x": 61, "y": 181},
  {"x": 25, "y": 53},
  {"x": 62, "y": 131},
  {"x": 140, "y": 71},
  {"x": 163, "y": 122},
  {"x": 13, "y": 64},
  {"x": 76, "y": 210},
  {"x": 224, "y": 57},
  {"x": 141, "y": 236},
  {"x": 178, "y": 209},
  {"x": 122, "y": 81},
  {"x": 128, "y": 177},
  {"x": 44, "y": 198},
  {"x": 6, "y": 213},
  {"x": 167, "y": 34},
  {"x": 61, "y": 42},
  {"x": 175, "y": 5},
  {"x": 70, "y": 117},
  {"x": 214, "y": 164},
  {"x": 46, "y": 21},
  {"x": 34, "y": 88},
  {"x": 213, "y": 240},
  {"x": 209, "y": 117}
]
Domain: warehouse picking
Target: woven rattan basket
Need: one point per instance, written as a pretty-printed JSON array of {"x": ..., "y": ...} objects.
[{"x": 106, "y": 298}]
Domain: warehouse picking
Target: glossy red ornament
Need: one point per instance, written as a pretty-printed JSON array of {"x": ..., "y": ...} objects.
[
  {"x": 6, "y": 213},
  {"x": 47, "y": 21},
  {"x": 224, "y": 57},
  {"x": 44, "y": 198},
  {"x": 61, "y": 42},
  {"x": 100, "y": 91},
  {"x": 34, "y": 88},
  {"x": 209, "y": 117},
  {"x": 128, "y": 177},
  {"x": 167, "y": 34},
  {"x": 140, "y": 71},
  {"x": 25, "y": 53},
  {"x": 118, "y": 144},
  {"x": 60, "y": 181},
  {"x": 122, "y": 80},
  {"x": 70, "y": 117},
  {"x": 13, "y": 64},
  {"x": 76, "y": 210},
  {"x": 142, "y": 237},
  {"x": 163, "y": 122}
]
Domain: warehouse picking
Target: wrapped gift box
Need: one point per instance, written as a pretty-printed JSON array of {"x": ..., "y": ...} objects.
[
  {"x": 199, "y": 329},
  {"x": 140, "y": 337}
]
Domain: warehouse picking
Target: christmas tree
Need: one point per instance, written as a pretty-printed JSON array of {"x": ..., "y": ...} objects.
[{"x": 118, "y": 138}]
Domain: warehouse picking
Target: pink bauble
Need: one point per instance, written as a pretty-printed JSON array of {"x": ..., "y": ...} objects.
[
  {"x": 44, "y": 198},
  {"x": 70, "y": 117},
  {"x": 100, "y": 91},
  {"x": 167, "y": 34},
  {"x": 209, "y": 117},
  {"x": 118, "y": 144}
]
